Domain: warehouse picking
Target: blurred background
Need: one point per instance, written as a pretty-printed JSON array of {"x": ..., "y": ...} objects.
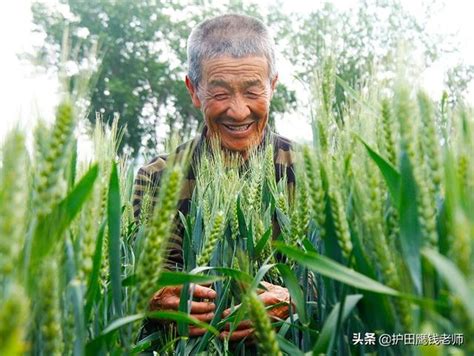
[{"x": 136, "y": 53}]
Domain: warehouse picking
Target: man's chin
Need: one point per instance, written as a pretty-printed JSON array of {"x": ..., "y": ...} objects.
[
  {"x": 239, "y": 146},
  {"x": 236, "y": 149}
]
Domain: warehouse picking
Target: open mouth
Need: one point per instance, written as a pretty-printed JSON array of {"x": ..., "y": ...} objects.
[{"x": 238, "y": 128}]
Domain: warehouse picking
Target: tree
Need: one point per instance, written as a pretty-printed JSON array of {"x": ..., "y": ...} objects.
[
  {"x": 361, "y": 41},
  {"x": 457, "y": 80}
]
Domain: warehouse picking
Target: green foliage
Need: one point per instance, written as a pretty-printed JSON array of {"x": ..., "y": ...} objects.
[
  {"x": 142, "y": 55},
  {"x": 364, "y": 41},
  {"x": 344, "y": 273},
  {"x": 457, "y": 80},
  {"x": 354, "y": 247}
]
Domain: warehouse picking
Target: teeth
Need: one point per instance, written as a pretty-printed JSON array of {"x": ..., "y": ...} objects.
[{"x": 238, "y": 128}]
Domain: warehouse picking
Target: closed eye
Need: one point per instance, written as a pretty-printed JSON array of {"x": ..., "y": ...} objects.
[
  {"x": 251, "y": 95},
  {"x": 221, "y": 96}
]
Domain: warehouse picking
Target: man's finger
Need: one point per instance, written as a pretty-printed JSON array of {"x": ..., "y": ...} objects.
[
  {"x": 202, "y": 307},
  {"x": 200, "y": 291},
  {"x": 266, "y": 285},
  {"x": 279, "y": 313},
  {"x": 269, "y": 299},
  {"x": 236, "y": 335},
  {"x": 203, "y": 317},
  {"x": 227, "y": 311},
  {"x": 194, "y": 331},
  {"x": 246, "y": 324},
  {"x": 171, "y": 302}
]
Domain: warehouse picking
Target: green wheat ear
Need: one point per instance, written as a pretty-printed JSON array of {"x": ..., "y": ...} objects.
[
  {"x": 430, "y": 142},
  {"x": 328, "y": 84},
  {"x": 105, "y": 145},
  {"x": 340, "y": 221},
  {"x": 301, "y": 215},
  {"x": 388, "y": 130},
  {"x": 234, "y": 219},
  {"x": 338, "y": 213},
  {"x": 48, "y": 187},
  {"x": 269, "y": 167},
  {"x": 13, "y": 322},
  {"x": 48, "y": 309},
  {"x": 212, "y": 240},
  {"x": 14, "y": 196},
  {"x": 384, "y": 256},
  {"x": 410, "y": 143},
  {"x": 315, "y": 186},
  {"x": 430, "y": 169},
  {"x": 151, "y": 261},
  {"x": 266, "y": 336},
  {"x": 404, "y": 113}
]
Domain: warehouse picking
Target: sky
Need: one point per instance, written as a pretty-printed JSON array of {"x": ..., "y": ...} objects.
[
  {"x": 22, "y": 94},
  {"x": 27, "y": 94}
]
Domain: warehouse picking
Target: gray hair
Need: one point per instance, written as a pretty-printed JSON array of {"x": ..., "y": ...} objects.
[{"x": 231, "y": 35}]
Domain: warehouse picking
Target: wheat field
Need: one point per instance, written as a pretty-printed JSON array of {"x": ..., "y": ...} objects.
[{"x": 376, "y": 239}]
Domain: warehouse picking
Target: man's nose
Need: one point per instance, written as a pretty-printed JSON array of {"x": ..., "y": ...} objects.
[{"x": 238, "y": 109}]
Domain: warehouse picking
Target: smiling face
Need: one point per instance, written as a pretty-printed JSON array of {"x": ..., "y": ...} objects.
[{"x": 234, "y": 96}]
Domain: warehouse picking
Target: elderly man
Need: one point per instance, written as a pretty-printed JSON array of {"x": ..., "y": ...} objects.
[{"x": 231, "y": 79}]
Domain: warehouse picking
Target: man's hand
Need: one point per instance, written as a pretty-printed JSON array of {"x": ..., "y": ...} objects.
[
  {"x": 168, "y": 298},
  {"x": 273, "y": 295}
]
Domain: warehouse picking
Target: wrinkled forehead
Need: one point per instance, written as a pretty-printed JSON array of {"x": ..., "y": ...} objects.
[{"x": 248, "y": 71}]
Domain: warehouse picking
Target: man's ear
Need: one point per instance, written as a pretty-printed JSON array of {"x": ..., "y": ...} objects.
[
  {"x": 193, "y": 92},
  {"x": 274, "y": 83}
]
